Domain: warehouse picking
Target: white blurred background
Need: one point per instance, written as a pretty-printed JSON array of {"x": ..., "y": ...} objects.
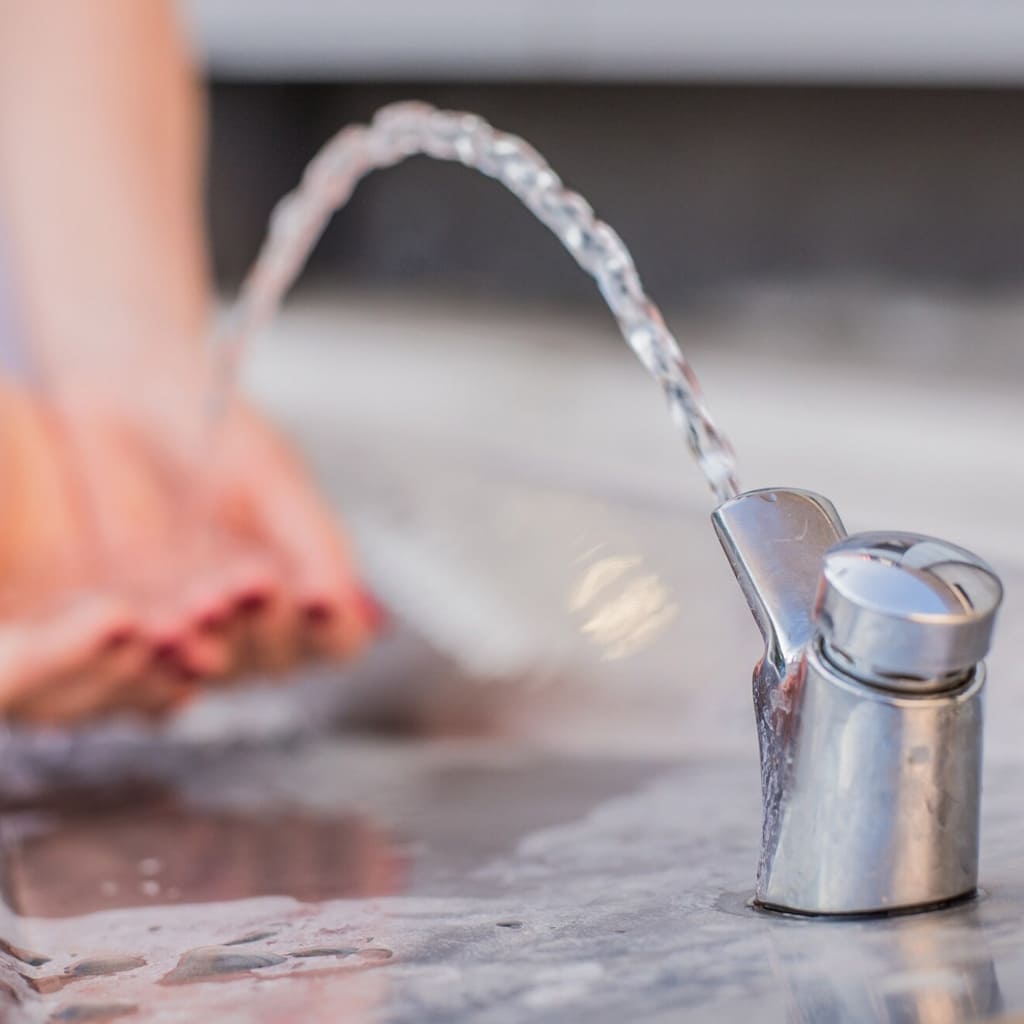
[{"x": 600, "y": 40}]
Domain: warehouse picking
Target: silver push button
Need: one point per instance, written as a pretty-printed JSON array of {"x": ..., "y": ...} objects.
[{"x": 904, "y": 611}]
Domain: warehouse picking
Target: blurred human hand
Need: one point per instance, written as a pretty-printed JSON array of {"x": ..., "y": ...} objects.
[{"x": 135, "y": 569}]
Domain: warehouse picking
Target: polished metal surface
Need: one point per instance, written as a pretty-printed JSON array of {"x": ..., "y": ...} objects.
[
  {"x": 868, "y": 706},
  {"x": 906, "y": 612},
  {"x": 775, "y": 541}
]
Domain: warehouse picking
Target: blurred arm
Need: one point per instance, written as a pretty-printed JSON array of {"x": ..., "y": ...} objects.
[{"x": 100, "y": 183}]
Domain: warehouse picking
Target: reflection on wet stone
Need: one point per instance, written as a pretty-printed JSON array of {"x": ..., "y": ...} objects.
[
  {"x": 927, "y": 977},
  {"x": 316, "y": 959},
  {"x": 205, "y": 856}
]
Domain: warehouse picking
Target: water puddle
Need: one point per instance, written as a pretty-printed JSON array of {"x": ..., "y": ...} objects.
[
  {"x": 167, "y": 910},
  {"x": 92, "y": 1013},
  {"x": 93, "y": 967},
  {"x": 160, "y": 853},
  {"x": 316, "y": 951},
  {"x": 251, "y": 937},
  {"x": 100, "y": 966},
  {"x": 217, "y": 964},
  {"x": 110, "y": 898}
]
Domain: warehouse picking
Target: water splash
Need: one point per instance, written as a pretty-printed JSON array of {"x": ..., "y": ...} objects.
[{"x": 403, "y": 130}]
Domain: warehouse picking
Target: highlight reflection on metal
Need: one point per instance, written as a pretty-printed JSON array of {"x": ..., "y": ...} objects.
[
  {"x": 868, "y": 705},
  {"x": 927, "y": 979}
]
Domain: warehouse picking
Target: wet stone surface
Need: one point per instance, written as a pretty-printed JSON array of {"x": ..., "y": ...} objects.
[{"x": 613, "y": 889}]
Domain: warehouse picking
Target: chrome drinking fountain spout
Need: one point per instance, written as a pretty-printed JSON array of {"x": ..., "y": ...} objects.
[
  {"x": 868, "y": 703},
  {"x": 868, "y": 698}
]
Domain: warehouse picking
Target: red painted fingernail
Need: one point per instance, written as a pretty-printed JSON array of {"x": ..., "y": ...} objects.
[
  {"x": 319, "y": 612},
  {"x": 373, "y": 613},
  {"x": 118, "y": 639},
  {"x": 166, "y": 653},
  {"x": 252, "y": 603}
]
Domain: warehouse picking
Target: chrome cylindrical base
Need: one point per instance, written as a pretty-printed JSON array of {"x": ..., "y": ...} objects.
[{"x": 872, "y": 797}]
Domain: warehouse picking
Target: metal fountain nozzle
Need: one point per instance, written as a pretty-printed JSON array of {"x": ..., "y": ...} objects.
[{"x": 868, "y": 703}]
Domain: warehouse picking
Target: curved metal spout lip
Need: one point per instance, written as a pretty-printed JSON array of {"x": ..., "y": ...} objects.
[{"x": 775, "y": 540}]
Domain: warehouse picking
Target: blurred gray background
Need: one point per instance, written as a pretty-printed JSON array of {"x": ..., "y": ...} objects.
[{"x": 730, "y": 144}]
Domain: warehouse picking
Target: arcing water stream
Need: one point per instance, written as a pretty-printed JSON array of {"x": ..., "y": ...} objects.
[{"x": 408, "y": 129}]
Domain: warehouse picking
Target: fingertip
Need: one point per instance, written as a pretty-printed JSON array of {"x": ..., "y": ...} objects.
[
  {"x": 176, "y": 662},
  {"x": 94, "y": 625},
  {"x": 213, "y": 623},
  {"x": 357, "y": 616},
  {"x": 204, "y": 656},
  {"x": 371, "y": 611}
]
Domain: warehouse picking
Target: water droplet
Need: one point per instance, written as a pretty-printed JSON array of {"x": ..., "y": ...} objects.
[
  {"x": 325, "y": 951},
  {"x": 251, "y": 937},
  {"x": 94, "y": 1013},
  {"x": 214, "y": 963},
  {"x": 98, "y": 966},
  {"x": 150, "y": 887},
  {"x": 375, "y": 953},
  {"x": 150, "y": 866}
]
